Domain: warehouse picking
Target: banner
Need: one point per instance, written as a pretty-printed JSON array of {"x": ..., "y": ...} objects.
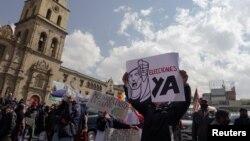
[
  {"x": 112, "y": 134},
  {"x": 102, "y": 102},
  {"x": 57, "y": 86},
  {"x": 155, "y": 79},
  {"x": 60, "y": 89}
]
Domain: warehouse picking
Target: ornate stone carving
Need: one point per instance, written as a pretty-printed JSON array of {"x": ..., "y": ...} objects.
[
  {"x": 55, "y": 8},
  {"x": 41, "y": 65},
  {"x": 110, "y": 86},
  {"x": 6, "y": 32}
]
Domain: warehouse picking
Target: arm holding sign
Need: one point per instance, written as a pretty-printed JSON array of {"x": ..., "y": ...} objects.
[
  {"x": 119, "y": 125},
  {"x": 106, "y": 121}
]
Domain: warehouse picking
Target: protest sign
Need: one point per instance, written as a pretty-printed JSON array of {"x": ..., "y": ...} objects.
[
  {"x": 112, "y": 134},
  {"x": 106, "y": 103},
  {"x": 155, "y": 79}
]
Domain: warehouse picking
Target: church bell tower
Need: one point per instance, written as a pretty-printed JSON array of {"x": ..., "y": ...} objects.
[{"x": 40, "y": 33}]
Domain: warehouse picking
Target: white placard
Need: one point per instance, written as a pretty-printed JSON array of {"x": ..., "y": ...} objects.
[
  {"x": 155, "y": 79},
  {"x": 106, "y": 103}
]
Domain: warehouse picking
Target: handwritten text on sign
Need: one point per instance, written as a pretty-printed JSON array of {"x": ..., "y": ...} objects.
[{"x": 105, "y": 103}]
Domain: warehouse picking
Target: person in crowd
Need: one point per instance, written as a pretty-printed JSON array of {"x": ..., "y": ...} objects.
[
  {"x": 30, "y": 117},
  {"x": 159, "y": 117},
  {"x": 41, "y": 117},
  {"x": 18, "y": 131},
  {"x": 82, "y": 134},
  {"x": 177, "y": 131},
  {"x": 201, "y": 120},
  {"x": 49, "y": 122},
  {"x": 8, "y": 122},
  {"x": 243, "y": 119},
  {"x": 105, "y": 121},
  {"x": 221, "y": 118},
  {"x": 1, "y": 101},
  {"x": 68, "y": 115},
  {"x": 9, "y": 98}
]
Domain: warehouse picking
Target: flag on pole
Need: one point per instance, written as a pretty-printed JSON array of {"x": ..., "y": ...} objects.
[{"x": 196, "y": 101}]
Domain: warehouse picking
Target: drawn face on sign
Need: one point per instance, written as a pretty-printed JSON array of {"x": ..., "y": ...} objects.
[{"x": 134, "y": 79}]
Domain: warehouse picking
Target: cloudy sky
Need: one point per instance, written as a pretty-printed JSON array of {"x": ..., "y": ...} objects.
[{"x": 212, "y": 37}]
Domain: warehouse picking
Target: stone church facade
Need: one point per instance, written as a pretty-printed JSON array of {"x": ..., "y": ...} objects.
[{"x": 30, "y": 57}]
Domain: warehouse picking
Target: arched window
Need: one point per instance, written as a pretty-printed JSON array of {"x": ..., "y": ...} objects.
[
  {"x": 18, "y": 37},
  {"x": 26, "y": 14},
  {"x": 25, "y": 36},
  {"x": 86, "y": 93},
  {"x": 81, "y": 82},
  {"x": 48, "y": 15},
  {"x": 8, "y": 91},
  {"x": 65, "y": 77},
  {"x": 91, "y": 86},
  {"x": 39, "y": 81},
  {"x": 1, "y": 51},
  {"x": 18, "y": 34},
  {"x": 53, "y": 46},
  {"x": 41, "y": 42},
  {"x": 59, "y": 20},
  {"x": 94, "y": 86},
  {"x": 34, "y": 10}
]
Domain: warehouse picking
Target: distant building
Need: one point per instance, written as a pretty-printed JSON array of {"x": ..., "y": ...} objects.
[
  {"x": 223, "y": 96},
  {"x": 221, "y": 92}
]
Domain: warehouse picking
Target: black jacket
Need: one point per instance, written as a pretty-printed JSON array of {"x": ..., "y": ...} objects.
[
  {"x": 70, "y": 112},
  {"x": 242, "y": 120},
  {"x": 7, "y": 124},
  {"x": 201, "y": 120},
  {"x": 158, "y": 120}
]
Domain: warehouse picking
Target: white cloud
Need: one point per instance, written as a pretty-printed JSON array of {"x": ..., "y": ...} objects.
[
  {"x": 160, "y": 10},
  {"x": 111, "y": 42},
  {"x": 13, "y": 26},
  {"x": 201, "y": 3},
  {"x": 208, "y": 40},
  {"x": 128, "y": 20},
  {"x": 146, "y": 12},
  {"x": 137, "y": 22},
  {"x": 81, "y": 52},
  {"x": 122, "y": 8}
]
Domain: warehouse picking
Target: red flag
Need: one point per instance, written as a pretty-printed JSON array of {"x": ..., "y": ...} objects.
[{"x": 196, "y": 102}]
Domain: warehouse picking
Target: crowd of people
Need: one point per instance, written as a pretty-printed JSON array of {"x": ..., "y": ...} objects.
[
  {"x": 203, "y": 118},
  {"x": 68, "y": 120},
  {"x": 64, "y": 122}
]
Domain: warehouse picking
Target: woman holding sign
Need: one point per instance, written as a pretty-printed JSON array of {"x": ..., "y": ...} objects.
[{"x": 159, "y": 117}]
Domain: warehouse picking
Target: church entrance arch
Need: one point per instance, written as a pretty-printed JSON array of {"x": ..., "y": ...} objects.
[{"x": 34, "y": 99}]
